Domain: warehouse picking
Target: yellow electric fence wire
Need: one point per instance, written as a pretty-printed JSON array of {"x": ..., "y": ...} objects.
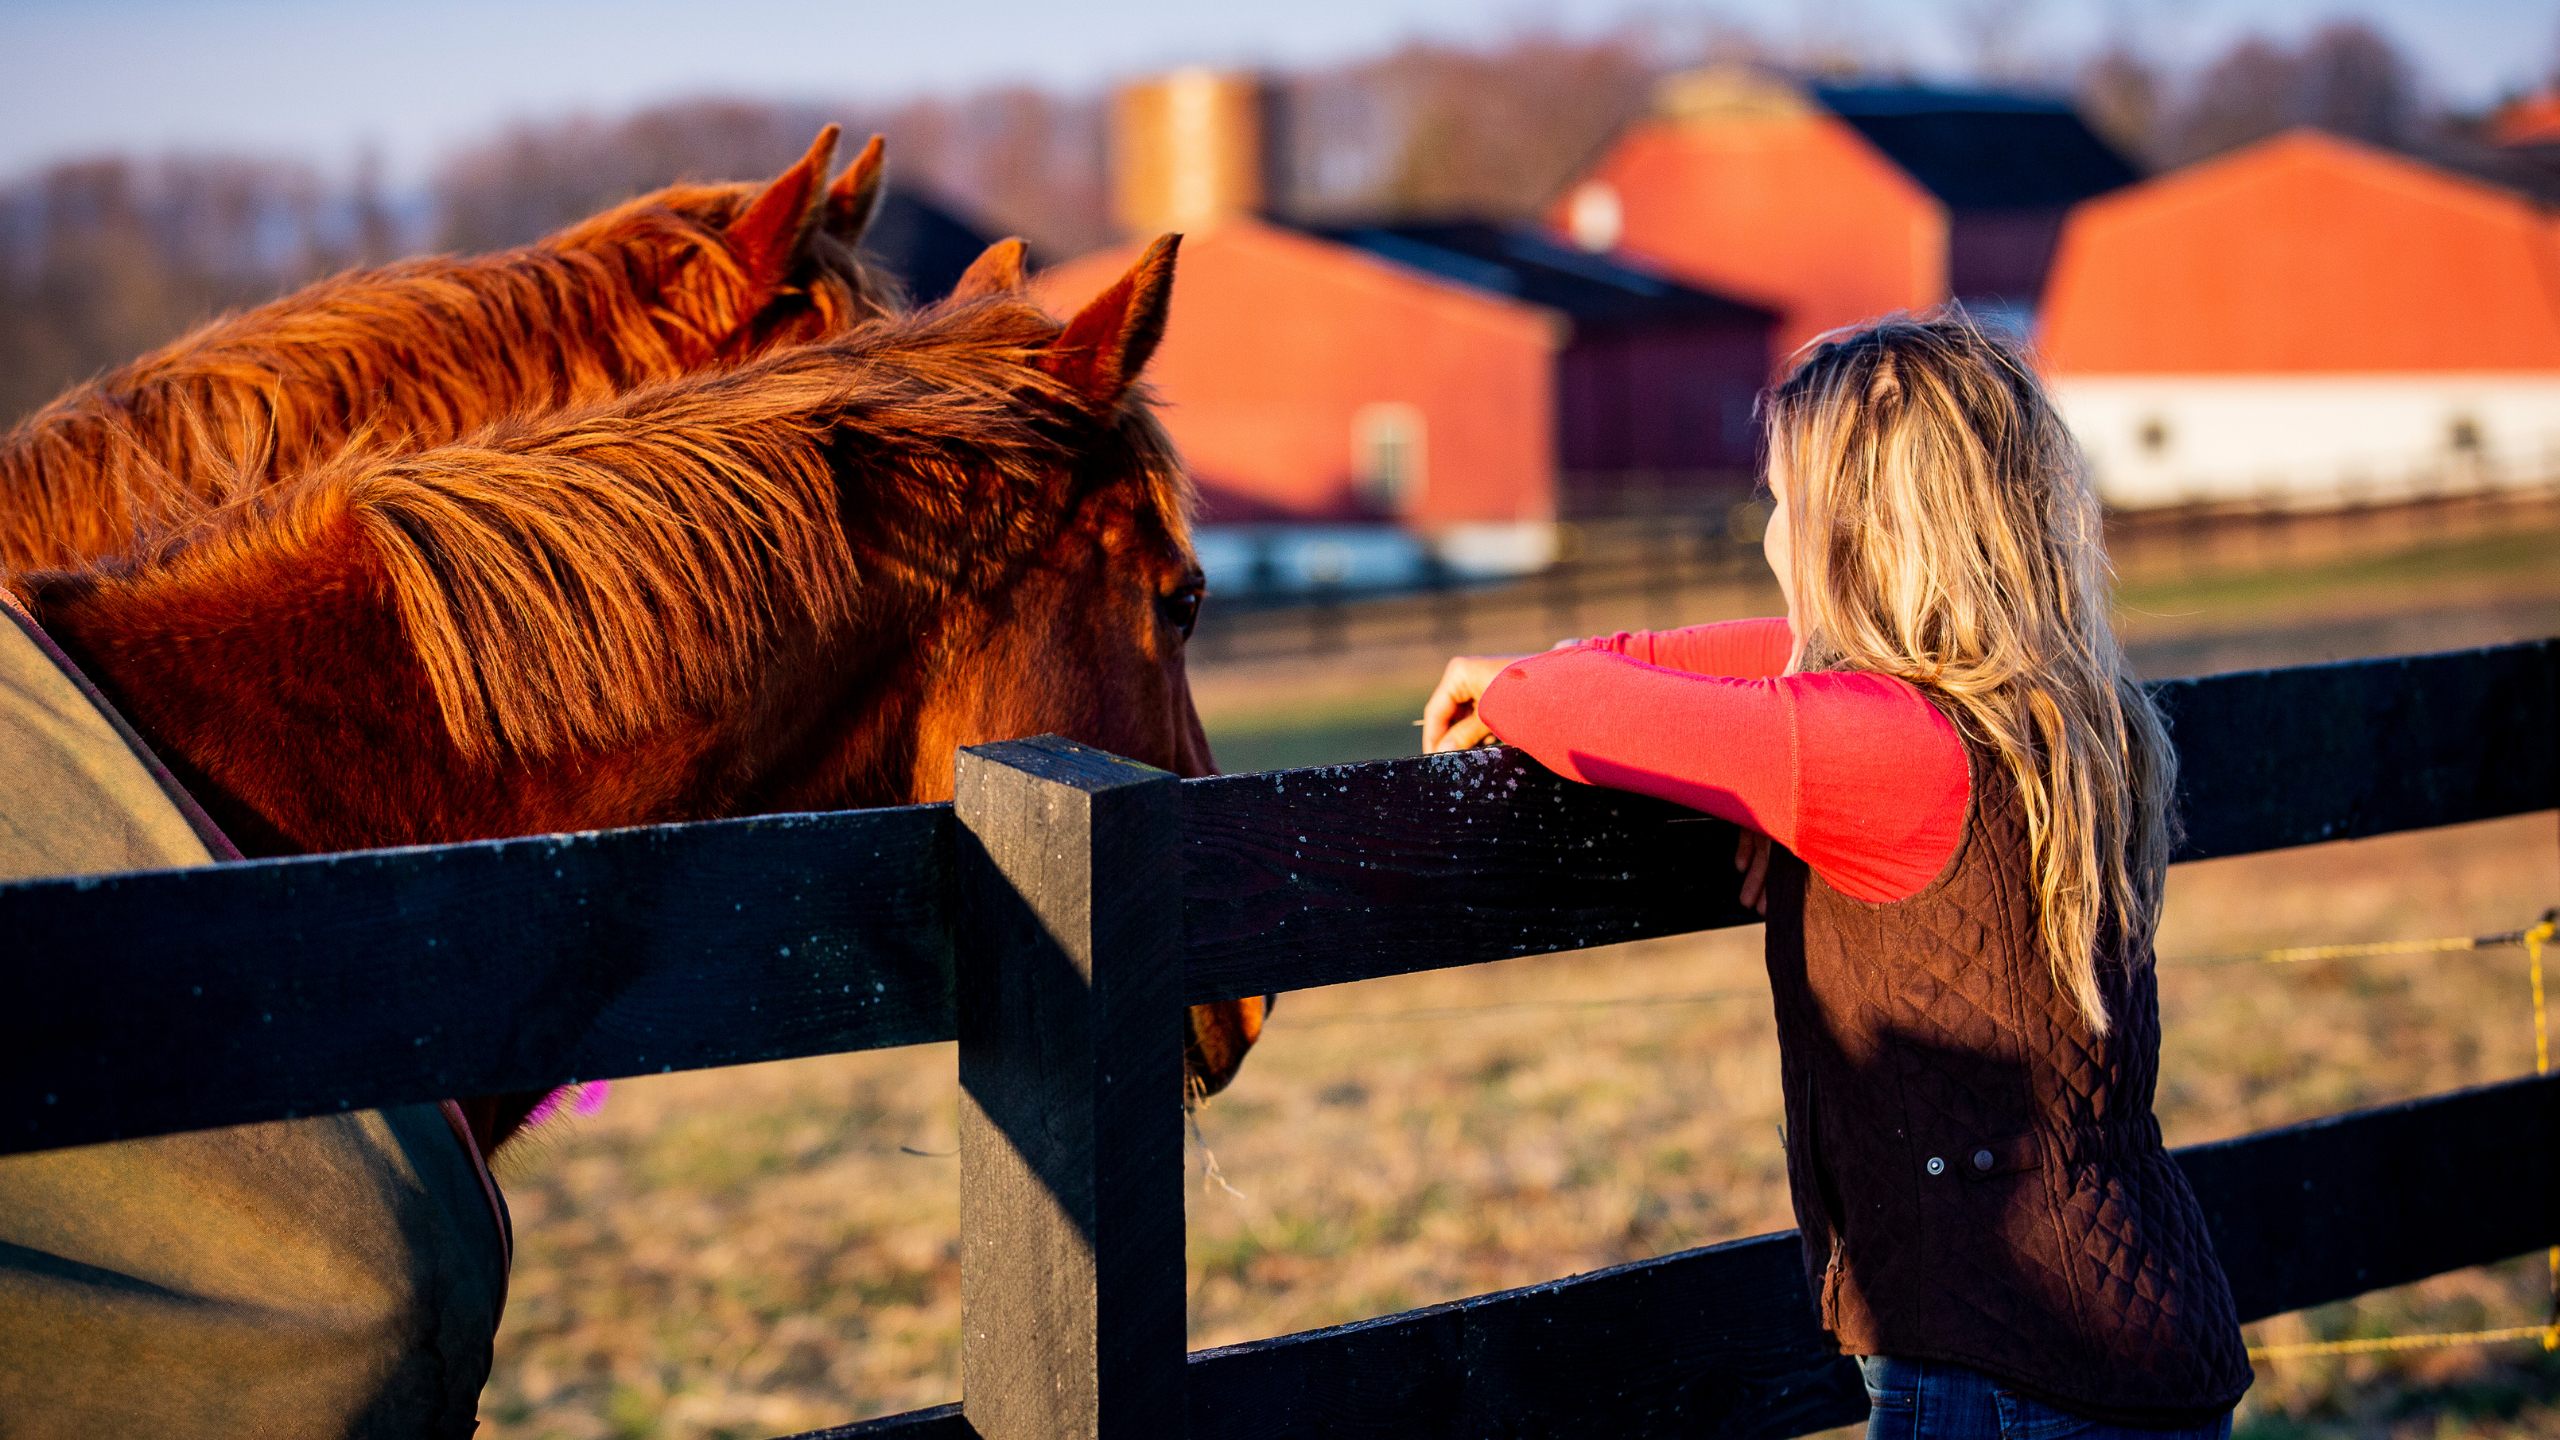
[
  {"x": 2299, "y": 953},
  {"x": 2379, "y": 1344},
  {"x": 2548, "y": 1332},
  {"x": 2534, "y": 940}
]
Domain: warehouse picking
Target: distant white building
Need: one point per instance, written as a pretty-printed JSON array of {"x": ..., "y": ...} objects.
[{"x": 2308, "y": 322}]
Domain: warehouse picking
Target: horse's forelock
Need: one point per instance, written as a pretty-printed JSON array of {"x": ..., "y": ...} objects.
[{"x": 1171, "y": 490}]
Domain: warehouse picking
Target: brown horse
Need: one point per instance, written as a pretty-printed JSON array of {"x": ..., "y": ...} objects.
[
  {"x": 798, "y": 583},
  {"x": 421, "y": 353},
  {"x": 794, "y": 583}
]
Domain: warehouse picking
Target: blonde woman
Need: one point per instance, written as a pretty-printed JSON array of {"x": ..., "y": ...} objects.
[{"x": 1955, "y": 801}]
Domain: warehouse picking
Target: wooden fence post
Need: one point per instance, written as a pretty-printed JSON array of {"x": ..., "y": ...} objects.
[{"x": 1070, "y": 1019}]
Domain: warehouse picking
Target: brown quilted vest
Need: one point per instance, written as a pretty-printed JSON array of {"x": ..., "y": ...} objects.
[{"x": 1978, "y": 1179}]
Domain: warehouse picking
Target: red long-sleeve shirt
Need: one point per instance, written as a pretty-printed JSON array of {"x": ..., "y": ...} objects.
[{"x": 1857, "y": 774}]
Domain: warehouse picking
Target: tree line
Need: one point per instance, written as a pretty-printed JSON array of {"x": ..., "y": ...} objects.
[{"x": 101, "y": 259}]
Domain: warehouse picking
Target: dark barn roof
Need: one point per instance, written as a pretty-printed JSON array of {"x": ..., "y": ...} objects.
[
  {"x": 1982, "y": 150},
  {"x": 1522, "y": 261},
  {"x": 925, "y": 245}
]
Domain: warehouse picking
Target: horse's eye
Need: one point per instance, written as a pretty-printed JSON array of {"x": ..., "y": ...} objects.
[{"x": 1181, "y": 609}]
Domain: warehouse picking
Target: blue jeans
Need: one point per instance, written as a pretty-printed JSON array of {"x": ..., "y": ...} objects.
[{"x": 1932, "y": 1400}]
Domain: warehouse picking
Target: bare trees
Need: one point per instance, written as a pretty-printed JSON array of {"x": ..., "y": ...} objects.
[
  {"x": 2345, "y": 77},
  {"x": 1019, "y": 160},
  {"x": 103, "y": 259},
  {"x": 1431, "y": 130}
]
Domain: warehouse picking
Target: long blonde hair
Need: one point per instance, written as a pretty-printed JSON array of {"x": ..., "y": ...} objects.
[{"x": 1946, "y": 532}]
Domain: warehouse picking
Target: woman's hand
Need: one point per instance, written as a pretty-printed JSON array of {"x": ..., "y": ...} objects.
[
  {"x": 1751, "y": 857},
  {"x": 1449, "y": 717}
]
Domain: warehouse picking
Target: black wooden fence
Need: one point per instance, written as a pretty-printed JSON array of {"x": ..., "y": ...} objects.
[{"x": 1055, "y": 918}]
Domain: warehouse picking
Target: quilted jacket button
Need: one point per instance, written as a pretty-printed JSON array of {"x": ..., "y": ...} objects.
[
  {"x": 1937, "y": 1166},
  {"x": 1981, "y": 1159}
]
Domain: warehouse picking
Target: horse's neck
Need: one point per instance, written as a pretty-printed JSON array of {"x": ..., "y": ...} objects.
[
  {"x": 848, "y": 731},
  {"x": 281, "y": 685}
]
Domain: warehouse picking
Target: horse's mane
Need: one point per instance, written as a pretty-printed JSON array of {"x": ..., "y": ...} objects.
[
  {"x": 585, "y": 577},
  {"x": 402, "y": 357}
]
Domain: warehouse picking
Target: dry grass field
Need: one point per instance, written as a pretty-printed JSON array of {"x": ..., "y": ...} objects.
[{"x": 762, "y": 1250}]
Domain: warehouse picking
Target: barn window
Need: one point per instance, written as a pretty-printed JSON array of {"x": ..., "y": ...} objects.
[
  {"x": 2153, "y": 436},
  {"x": 1388, "y": 461},
  {"x": 1595, "y": 216},
  {"x": 2463, "y": 435}
]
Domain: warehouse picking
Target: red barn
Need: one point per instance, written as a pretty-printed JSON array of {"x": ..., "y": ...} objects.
[
  {"x": 2309, "y": 320},
  {"x": 1655, "y": 383},
  {"x": 1307, "y": 380},
  {"x": 1833, "y": 204}
]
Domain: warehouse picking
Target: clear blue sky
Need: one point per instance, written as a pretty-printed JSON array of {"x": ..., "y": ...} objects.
[{"x": 319, "y": 78}]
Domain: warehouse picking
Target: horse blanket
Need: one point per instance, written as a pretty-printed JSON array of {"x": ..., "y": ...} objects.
[{"x": 339, "y": 1276}]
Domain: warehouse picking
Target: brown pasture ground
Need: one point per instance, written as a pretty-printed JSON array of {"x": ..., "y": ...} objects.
[{"x": 774, "y": 1248}]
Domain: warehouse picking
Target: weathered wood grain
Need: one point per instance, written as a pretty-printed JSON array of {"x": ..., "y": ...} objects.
[
  {"x": 1070, "y": 955},
  {"x": 1720, "y": 1341},
  {"x": 1297, "y": 878},
  {"x": 1723, "y": 1340},
  {"x": 2375, "y": 1198},
  {"x": 149, "y": 1003},
  {"x": 2276, "y": 758}
]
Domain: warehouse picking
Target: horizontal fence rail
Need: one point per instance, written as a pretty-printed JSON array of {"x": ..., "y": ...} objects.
[
  {"x": 1723, "y": 1340},
  {"x": 175, "y": 1000},
  {"x": 147, "y": 1003},
  {"x": 2275, "y": 758}
]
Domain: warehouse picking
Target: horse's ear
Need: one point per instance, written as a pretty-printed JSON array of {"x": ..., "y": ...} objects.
[
  {"x": 855, "y": 197},
  {"x": 772, "y": 233},
  {"x": 996, "y": 271},
  {"x": 1110, "y": 340}
]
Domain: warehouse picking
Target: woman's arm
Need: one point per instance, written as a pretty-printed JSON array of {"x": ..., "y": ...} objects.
[
  {"x": 1857, "y": 774},
  {"x": 1746, "y": 649},
  {"x": 1743, "y": 649}
]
